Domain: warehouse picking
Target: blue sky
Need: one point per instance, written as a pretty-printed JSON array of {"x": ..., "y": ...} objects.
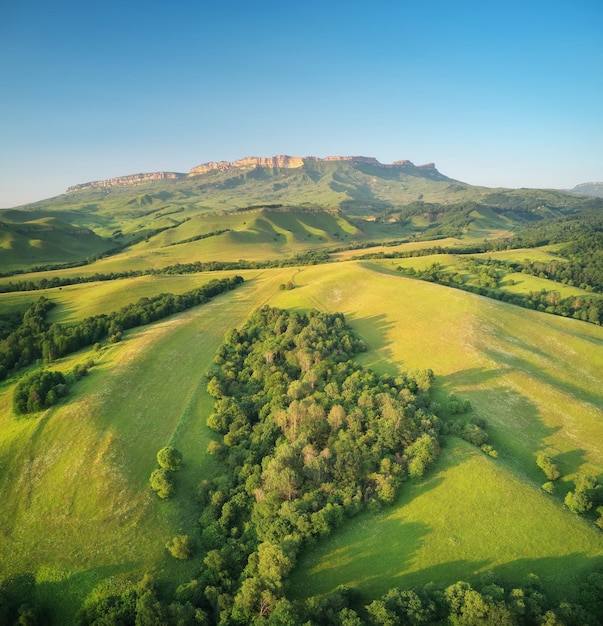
[{"x": 497, "y": 94}]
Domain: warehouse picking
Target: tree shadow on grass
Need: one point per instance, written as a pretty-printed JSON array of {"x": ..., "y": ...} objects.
[
  {"x": 374, "y": 331},
  {"x": 570, "y": 462},
  {"x": 471, "y": 377},
  {"x": 517, "y": 363},
  {"x": 352, "y": 554},
  {"x": 560, "y": 575},
  {"x": 62, "y": 598},
  {"x": 500, "y": 403}
]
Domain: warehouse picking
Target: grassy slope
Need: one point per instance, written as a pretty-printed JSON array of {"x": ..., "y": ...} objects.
[
  {"x": 74, "y": 480},
  {"x": 81, "y": 470},
  {"x": 506, "y": 529},
  {"x": 535, "y": 378}
]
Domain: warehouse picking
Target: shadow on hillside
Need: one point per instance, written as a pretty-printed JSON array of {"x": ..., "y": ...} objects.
[
  {"x": 374, "y": 331},
  {"x": 65, "y": 596},
  {"x": 560, "y": 576},
  {"x": 508, "y": 413},
  {"x": 352, "y": 553},
  {"x": 570, "y": 462},
  {"x": 441, "y": 574},
  {"x": 471, "y": 377},
  {"x": 518, "y": 363}
]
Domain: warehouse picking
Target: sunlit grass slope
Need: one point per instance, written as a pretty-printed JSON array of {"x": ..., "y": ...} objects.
[
  {"x": 470, "y": 519},
  {"x": 534, "y": 378}
]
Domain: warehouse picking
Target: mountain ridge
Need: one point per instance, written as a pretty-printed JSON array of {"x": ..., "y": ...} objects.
[{"x": 280, "y": 161}]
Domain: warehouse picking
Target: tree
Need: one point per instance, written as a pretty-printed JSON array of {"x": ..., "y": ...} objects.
[
  {"x": 161, "y": 483},
  {"x": 180, "y": 547},
  {"x": 581, "y": 499},
  {"x": 169, "y": 458},
  {"x": 546, "y": 464}
]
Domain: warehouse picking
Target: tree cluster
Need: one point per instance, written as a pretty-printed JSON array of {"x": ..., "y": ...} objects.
[
  {"x": 308, "y": 438},
  {"x": 161, "y": 480},
  {"x": 38, "y": 390},
  {"x": 587, "y": 492}
]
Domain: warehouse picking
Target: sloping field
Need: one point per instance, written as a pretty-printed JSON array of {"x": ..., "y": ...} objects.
[
  {"x": 74, "y": 481},
  {"x": 470, "y": 519},
  {"x": 534, "y": 378}
]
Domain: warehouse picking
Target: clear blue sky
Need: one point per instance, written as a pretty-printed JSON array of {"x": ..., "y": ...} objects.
[{"x": 499, "y": 94}]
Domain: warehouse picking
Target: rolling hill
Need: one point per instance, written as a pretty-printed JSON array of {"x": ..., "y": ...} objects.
[
  {"x": 80, "y": 526},
  {"x": 364, "y": 199}
]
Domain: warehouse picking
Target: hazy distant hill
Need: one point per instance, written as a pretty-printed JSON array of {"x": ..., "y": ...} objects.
[{"x": 589, "y": 189}]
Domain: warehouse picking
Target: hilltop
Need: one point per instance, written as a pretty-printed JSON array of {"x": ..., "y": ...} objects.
[{"x": 377, "y": 201}]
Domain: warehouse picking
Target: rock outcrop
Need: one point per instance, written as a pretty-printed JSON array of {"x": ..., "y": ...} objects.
[
  {"x": 292, "y": 162},
  {"x": 281, "y": 161},
  {"x": 126, "y": 181}
]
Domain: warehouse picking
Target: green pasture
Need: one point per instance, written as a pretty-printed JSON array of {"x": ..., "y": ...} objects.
[
  {"x": 544, "y": 254},
  {"x": 471, "y": 519},
  {"x": 517, "y": 282}
]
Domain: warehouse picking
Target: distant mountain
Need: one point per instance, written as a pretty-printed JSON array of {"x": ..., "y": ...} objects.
[
  {"x": 281, "y": 161},
  {"x": 589, "y": 189},
  {"x": 337, "y": 196}
]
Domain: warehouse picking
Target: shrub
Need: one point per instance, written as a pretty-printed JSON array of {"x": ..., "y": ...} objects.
[
  {"x": 161, "y": 483},
  {"x": 180, "y": 547},
  {"x": 170, "y": 459}
]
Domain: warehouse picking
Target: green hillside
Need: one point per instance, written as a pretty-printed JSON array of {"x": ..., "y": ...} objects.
[
  {"x": 398, "y": 201},
  {"x": 80, "y": 524}
]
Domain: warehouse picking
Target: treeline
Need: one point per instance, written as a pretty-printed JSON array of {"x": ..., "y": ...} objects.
[
  {"x": 213, "y": 233},
  {"x": 487, "y": 281},
  {"x": 36, "y": 339},
  {"x": 584, "y": 267},
  {"x": 58, "y": 281},
  {"x": 305, "y": 258}
]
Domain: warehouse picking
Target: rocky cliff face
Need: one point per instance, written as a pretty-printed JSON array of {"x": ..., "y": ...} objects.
[
  {"x": 126, "y": 181},
  {"x": 291, "y": 162}
]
